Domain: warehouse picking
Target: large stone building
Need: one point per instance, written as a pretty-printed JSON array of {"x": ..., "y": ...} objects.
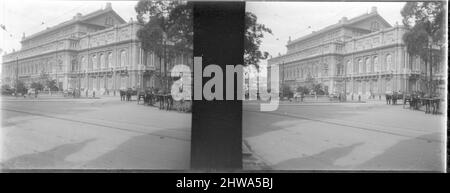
[
  {"x": 95, "y": 52},
  {"x": 363, "y": 56}
]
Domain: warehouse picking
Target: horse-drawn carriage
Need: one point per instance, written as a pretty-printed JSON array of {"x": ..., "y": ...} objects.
[
  {"x": 164, "y": 100},
  {"x": 125, "y": 94},
  {"x": 152, "y": 96},
  {"x": 148, "y": 96},
  {"x": 413, "y": 99},
  {"x": 418, "y": 99},
  {"x": 392, "y": 97}
]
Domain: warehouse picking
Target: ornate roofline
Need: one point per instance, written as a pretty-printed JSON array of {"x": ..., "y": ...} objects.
[
  {"x": 340, "y": 24},
  {"x": 77, "y": 19}
]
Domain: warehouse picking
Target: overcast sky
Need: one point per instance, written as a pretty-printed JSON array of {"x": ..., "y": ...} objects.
[{"x": 293, "y": 18}]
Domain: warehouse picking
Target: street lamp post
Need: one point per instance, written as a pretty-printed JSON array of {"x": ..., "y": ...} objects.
[
  {"x": 56, "y": 66},
  {"x": 165, "y": 64},
  {"x": 17, "y": 74},
  {"x": 345, "y": 83},
  {"x": 430, "y": 47},
  {"x": 282, "y": 80}
]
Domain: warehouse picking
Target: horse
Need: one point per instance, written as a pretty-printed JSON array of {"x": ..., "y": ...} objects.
[
  {"x": 388, "y": 98},
  {"x": 122, "y": 95},
  {"x": 149, "y": 96},
  {"x": 407, "y": 98},
  {"x": 141, "y": 94},
  {"x": 169, "y": 102},
  {"x": 128, "y": 94},
  {"x": 394, "y": 98}
]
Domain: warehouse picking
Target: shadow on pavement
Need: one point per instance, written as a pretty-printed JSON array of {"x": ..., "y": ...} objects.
[
  {"x": 320, "y": 161},
  {"x": 145, "y": 152},
  {"x": 50, "y": 159},
  {"x": 415, "y": 154},
  {"x": 422, "y": 153}
]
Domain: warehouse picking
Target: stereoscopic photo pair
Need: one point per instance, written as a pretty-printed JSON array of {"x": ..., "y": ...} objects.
[{"x": 223, "y": 86}]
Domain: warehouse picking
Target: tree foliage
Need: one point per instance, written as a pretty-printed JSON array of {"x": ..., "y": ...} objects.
[
  {"x": 6, "y": 87},
  {"x": 173, "y": 21},
  {"x": 429, "y": 15},
  {"x": 425, "y": 23},
  {"x": 319, "y": 89},
  {"x": 254, "y": 33},
  {"x": 303, "y": 89},
  {"x": 51, "y": 84},
  {"x": 170, "y": 21},
  {"x": 287, "y": 92},
  {"x": 37, "y": 86},
  {"x": 20, "y": 86}
]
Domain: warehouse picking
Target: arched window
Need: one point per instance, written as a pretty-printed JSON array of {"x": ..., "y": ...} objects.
[
  {"x": 93, "y": 64},
  {"x": 83, "y": 63},
  {"x": 361, "y": 65},
  {"x": 123, "y": 58},
  {"x": 349, "y": 67},
  {"x": 368, "y": 65},
  {"x": 375, "y": 64},
  {"x": 389, "y": 62},
  {"x": 110, "y": 59},
  {"x": 102, "y": 61}
]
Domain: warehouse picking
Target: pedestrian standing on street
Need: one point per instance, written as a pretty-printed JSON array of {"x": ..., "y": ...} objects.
[
  {"x": 35, "y": 93},
  {"x": 359, "y": 98},
  {"x": 93, "y": 94}
]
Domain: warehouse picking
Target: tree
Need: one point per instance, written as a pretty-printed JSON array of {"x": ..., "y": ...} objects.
[
  {"x": 20, "y": 87},
  {"x": 6, "y": 87},
  {"x": 428, "y": 16},
  {"x": 168, "y": 28},
  {"x": 318, "y": 89},
  {"x": 37, "y": 86},
  {"x": 303, "y": 89},
  {"x": 254, "y": 33},
  {"x": 51, "y": 84},
  {"x": 287, "y": 92},
  {"x": 425, "y": 21}
]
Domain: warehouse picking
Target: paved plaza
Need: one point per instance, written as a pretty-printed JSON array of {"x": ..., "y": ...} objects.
[
  {"x": 105, "y": 133},
  {"x": 344, "y": 136}
]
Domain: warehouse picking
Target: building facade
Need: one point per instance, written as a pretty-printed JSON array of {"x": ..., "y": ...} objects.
[
  {"x": 363, "y": 56},
  {"x": 95, "y": 52}
]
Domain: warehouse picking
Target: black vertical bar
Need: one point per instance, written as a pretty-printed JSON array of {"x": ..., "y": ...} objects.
[{"x": 216, "y": 140}]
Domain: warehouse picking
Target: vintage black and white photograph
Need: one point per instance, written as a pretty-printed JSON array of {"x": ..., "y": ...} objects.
[
  {"x": 361, "y": 86},
  {"x": 87, "y": 84}
]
